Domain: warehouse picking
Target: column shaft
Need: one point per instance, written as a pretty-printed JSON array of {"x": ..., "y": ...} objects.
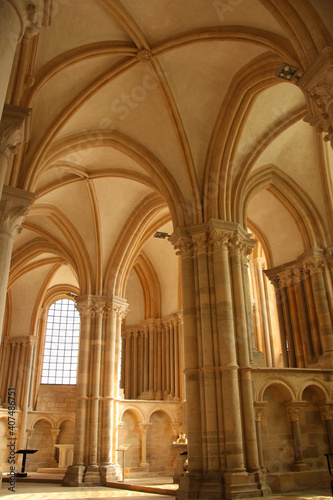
[{"x": 252, "y": 460}]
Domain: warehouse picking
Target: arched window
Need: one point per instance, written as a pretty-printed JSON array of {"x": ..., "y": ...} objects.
[{"x": 61, "y": 343}]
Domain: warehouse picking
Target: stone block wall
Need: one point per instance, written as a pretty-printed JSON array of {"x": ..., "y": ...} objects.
[{"x": 56, "y": 398}]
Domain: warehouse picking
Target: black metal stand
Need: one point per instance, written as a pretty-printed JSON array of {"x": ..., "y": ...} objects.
[
  {"x": 24, "y": 458},
  {"x": 328, "y": 455}
]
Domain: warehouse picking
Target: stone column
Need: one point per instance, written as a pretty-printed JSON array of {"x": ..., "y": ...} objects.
[
  {"x": 298, "y": 344},
  {"x": 20, "y": 374},
  {"x": 293, "y": 415},
  {"x": 113, "y": 313},
  {"x": 5, "y": 353},
  {"x": 144, "y": 429},
  {"x": 176, "y": 358},
  {"x": 259, "y": 415},
  {"x": 151, "y": 330},
  {"x": 17, "y": 348},
  {"x": 142, "y": 361},
  {"x": 317, "y": 81},
  {"x": 120, "y": 308},
  {"x": 17, "y": 18},
  {"x": 172, "y": 358},
  {"x": 315, "y": 267},
  {"x": 167, "y": 360},
  {"x": 92, "y": 475},
  {"x": 159, "y": 392},
  {"x": 259, "y": 263},
  {"x": 184, "y": 246},
  {"x": 303, "y": 315},
  {"x": 283, "y": 334},
  {"x": 220, "y": 243},
  {"x": 214, "y": 321},
  {"x": 14, "y": 206},
  {"x": 240, "y": 244},
  {"x": 248, "y": 303},
  {"x": 128, "y": 364},
  {"x": 135, "y": 365},
  {"x": 10, "y": 367},
  {"x": 326, "y": 412},
  {"x": 54, "y": 436},
  {"x": 311, "y": 309},
  {"x": 75, "y": 472},
  {"x": 12, "y": 135},
  {"x": 31, "y": 342},
  {"x": 146, "y": 361}
]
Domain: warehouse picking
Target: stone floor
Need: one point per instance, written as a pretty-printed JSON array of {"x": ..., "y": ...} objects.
[{"x": 46, "y": 491}]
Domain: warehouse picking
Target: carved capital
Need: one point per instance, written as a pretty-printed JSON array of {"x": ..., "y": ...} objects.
[
  {"x": 326, "y": 412},
  {"x": 293, "y": 413},
  {"x": 200, "y": 244},
  {"x": 14, "y": 207},
  {"x": 85, "y": 307},
  {"x": 145, "y": 427},
  {"x": 297, "y": 275},
  {"x": 54, "y": 433},
  {"x": 286, "y": 279},
  {"x": 12, "y": 129},
  {"x": 29, "y": 433},
  {"x": 317, "y": 81},
  {"x": 315, "y": 265},
  {"x": 219, "y": 239}
]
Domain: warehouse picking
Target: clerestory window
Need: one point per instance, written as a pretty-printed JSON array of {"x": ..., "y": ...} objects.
[{"x": 61, "y": 344}]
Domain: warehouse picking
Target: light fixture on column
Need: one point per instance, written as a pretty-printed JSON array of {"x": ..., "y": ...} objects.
[
  {"x": 161, "y": 235},
  {"x": 287, "y": 72}
]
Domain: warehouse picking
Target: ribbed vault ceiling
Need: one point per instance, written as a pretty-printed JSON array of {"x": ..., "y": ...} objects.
[{"x": 149, "y": 111}]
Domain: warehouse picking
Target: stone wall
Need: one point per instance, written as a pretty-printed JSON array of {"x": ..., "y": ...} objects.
[{"x": 56, "y": 398}]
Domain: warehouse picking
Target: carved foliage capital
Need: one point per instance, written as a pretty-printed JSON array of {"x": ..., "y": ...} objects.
[
  {"x": 293, "y": 413},
  {"x": 200, "y": 243},
  {"x": 326, "y": 412},
  {"x": 219, "y": 239},
  {"x": 12, "y": 129},
  {"x": 184, "y": 247},
  {"x": 14, "y": 207},
  {"x": 315, "y": 265}
]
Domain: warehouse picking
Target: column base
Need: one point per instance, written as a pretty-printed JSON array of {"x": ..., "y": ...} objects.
[
  {"x": 109, "y": 473},
  {"x": 197, "y": 485},
  {"x": 92, "y": 476},
  {"x": 326, "y": 360},
  {"x": 244, "y": 484},
  {"x": 301, "y": 466},
  {"x": 74, "y": 475},
  {"x": 144, "y": 464},
  {"x": 147, "y": 395}
]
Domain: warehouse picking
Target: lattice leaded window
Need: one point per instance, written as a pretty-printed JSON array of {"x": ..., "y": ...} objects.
[{"x": 61, "y": 343}]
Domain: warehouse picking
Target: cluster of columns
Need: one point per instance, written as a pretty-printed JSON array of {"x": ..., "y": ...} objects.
[
  {"x": 294, "y": 409},
  {"x": 97, "y": 390},
  {"x": 218, "y": 350},
  {"x": 151, "y": 359},
  {"x": 303, "y": 293},
  {"x": 262, "y": 313},
  {"x": 16, "y": 371}
]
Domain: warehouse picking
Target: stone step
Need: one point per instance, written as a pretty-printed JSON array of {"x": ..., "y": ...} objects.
[{"x": 52, "y": 470}]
